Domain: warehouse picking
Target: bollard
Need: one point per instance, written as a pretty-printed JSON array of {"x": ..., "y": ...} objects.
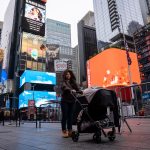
[
  {"x": 19, "y": 117},
  {"x": 36, "y": 116},
  {"x": 3, "y": 118},
  {"x": 16, "y": 117},
  {"x": 40, "y": 117}
]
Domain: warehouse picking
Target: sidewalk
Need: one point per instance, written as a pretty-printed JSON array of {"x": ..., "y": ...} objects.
[{"x": 27, "y": 137}]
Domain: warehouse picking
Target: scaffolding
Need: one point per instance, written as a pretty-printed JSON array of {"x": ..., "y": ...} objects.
[{"x": 142, "y": 42}]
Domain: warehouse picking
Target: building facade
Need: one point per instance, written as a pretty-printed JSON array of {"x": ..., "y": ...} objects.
[
  {"x": 145, "y": 7},
  {"x": 113, "y": 17},
  {"x": 58, "y": 41},
  {"x": 1, "y": 27},
  {"x": 87, "y": 42},
  {"x": 7, "y": 33},
  {"x": 142, "y": 42},
  {"x": 23, "y": 43},
  {"x": 58, "y": 33}
]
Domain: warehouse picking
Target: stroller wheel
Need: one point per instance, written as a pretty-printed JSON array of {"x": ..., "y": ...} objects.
[
  {"x": 75, "y": 136},
  {"x": 97, "y": 137},
  {"x": 111, "y": 135}
]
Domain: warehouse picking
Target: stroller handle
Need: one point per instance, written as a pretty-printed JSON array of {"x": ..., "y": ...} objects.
[{"x": 76, "y": 93}]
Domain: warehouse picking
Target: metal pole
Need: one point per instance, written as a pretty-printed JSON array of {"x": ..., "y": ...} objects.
[
  {"x": 124, "y": 40},
  {"x": 19, "y": 116},
  {"x": 129, "y": 69},
  {"x": 3, "y": 117},
  {"x": 36, "y": 117}
]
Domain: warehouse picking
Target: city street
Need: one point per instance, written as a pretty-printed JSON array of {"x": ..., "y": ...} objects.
[{"x": 48, "y": 137}]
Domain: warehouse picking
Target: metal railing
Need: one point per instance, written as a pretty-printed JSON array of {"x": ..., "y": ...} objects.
[
  {"x": 134, "y": 99},
  {"x": 53, "y": 110}
]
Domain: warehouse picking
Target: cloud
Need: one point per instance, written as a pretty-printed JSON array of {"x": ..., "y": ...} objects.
[
  {"x": 52, "y": 93},
  {"x": 51, "y": 74},
  {"x": 44, "y": 82},
  {"x": 27, "y": 93}
]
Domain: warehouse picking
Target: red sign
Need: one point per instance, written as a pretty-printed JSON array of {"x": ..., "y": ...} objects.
[{"x": 31, "y": 103}]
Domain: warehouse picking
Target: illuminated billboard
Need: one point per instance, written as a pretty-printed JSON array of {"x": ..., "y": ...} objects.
[
  {"x": 30, "y": 76},
  {"x": 32, "y": 52},
  {"x": 34, "y": 13},
  {"x": 110, "y": 68},
  {"x": 3, "y": 76},
  {"x": 60, "y": 65},
  {"x": 39, "y": 97},
  {"x": 52, "y": 53},
  {"x": 34, "y": 17}
]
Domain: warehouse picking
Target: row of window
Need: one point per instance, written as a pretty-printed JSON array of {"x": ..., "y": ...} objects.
[{"x": 32, "y": 65}]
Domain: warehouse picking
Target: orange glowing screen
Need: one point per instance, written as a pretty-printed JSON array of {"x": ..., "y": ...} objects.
[{"x": 110, "y": 68}]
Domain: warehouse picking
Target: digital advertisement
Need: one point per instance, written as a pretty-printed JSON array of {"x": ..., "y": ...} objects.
[
  {"x": 112, "y": 68},
  {"x": 33, "y": 52},
  {"x": 34, "y": 17},
  {"x": 39, "y": 97},
  {"x": 31, "y": 76},
  {"x": 35, "y": 13},
  {"x": 52, "y": 53}
]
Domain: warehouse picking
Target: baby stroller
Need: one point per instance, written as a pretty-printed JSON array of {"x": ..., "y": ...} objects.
[{"x": 94, "y": 112}]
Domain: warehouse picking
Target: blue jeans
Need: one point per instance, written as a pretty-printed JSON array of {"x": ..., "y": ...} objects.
[{"x": 67, "y": 115}]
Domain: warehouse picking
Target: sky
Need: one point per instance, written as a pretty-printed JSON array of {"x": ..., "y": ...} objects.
[{"x": 68, "y": 11}]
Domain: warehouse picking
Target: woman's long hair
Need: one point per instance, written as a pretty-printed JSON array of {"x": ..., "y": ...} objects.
[{"x": 73, "y": 78}]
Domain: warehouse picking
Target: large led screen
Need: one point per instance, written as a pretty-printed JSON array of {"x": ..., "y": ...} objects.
[
  {"x": 34, "y": 13},
  {"x": 33, "y": 52},
  {"x": 34, "y": 17},
  {"x": 39, "y": 97},
  {"x": 110, "y": 68},
  {"x": 31, "y": 76},
  {"x": 3, "y": 76}
]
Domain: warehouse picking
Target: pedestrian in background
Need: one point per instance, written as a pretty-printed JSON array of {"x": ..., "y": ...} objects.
[{"x": 69, "y": 86}]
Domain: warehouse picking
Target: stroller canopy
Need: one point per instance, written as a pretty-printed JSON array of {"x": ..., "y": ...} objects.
[{"x": 99, "y": 96}]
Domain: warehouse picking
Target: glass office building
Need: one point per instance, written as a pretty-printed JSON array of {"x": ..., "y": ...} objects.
[
  {"x": 110, "y": 15},
  {"x": 58, "y": 33},
  {"x": 145, "y": 7}
]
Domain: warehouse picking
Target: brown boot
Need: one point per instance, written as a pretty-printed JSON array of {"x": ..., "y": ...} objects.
[
  {"x": 65, "y": 134},
  {"x": 70, "y": 133}
]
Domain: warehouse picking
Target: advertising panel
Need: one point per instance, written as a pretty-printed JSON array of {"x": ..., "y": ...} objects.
[
  {"x": 39, "y": 97},
  {"x": 3, "y": 76},
  {"x": 31, "y": 76},
  {"x": 52, "y": 53},
  {"x": 33, "y": 52},
  {"x": 34, "y": 17},
  {"x": 31, "y": 103},
  {"x": 110, "y": 68},
  {"x": 60, "y": 64}
]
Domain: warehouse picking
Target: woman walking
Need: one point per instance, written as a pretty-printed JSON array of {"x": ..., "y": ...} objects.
[{"x": 69, "y": 86}]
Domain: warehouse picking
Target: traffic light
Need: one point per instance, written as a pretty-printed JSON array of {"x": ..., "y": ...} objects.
[{"x": 69, "y": 64}]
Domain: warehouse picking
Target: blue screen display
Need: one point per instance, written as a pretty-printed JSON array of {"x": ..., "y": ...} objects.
[
  {"x": 31, "y": 76},
  {"x": 40, "y": 97},
  {"x": 3, "y": 76}
]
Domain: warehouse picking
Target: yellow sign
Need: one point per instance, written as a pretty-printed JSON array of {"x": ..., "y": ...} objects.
[{"x": 1, "y": 54}]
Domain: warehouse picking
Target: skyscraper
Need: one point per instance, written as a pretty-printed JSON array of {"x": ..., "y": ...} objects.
[
  {"x": 145, "y": 7},
  {"x": 59, "y": 54},
  {"x": 110, "y": 15},
  {"x": 87, "y": 42},
  {"x": 58, "y": 40},
  {"x": 142, "y": 42},
  {"x": 23, "y": 43},
  {"x": 58, "y": 33},
  {"x": 1, "y": 26}
]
